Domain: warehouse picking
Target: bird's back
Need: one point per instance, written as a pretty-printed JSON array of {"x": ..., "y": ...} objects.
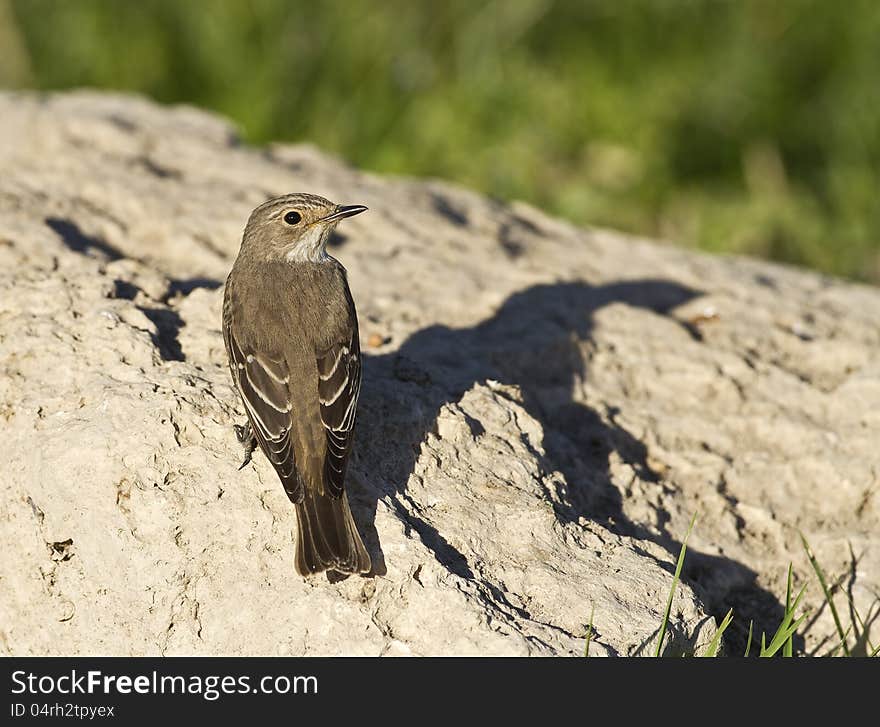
[{"x": 294, "y": 313}]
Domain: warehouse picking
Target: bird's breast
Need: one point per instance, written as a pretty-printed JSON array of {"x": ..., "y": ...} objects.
[{"x": 303, "y": 305}]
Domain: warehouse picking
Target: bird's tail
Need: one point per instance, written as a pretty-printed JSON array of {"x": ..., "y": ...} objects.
[{"x": 327, "y": 537}]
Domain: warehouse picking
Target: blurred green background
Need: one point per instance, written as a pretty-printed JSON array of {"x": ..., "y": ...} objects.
[{"x": 747, "y": 126}]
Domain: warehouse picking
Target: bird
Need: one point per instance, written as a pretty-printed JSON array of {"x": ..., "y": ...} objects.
[{"x": 291, "y": 333}]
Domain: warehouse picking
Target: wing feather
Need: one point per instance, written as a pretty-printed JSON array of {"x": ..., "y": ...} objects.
[
  {"x": 262, "y": 382},
  {"x": 339, "y": 385}
]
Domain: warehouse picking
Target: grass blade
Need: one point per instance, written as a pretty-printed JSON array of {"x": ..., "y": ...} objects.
[
  {"x": 786, "y": 629},
  {"x": 834, "y": 651},
  {"x": 715, "y": 643},
  {"x": 821, "y": 576},
  {"x": 788, "y": 646},
  {"x": 678, "y": 566},
  {"x": 779, "y": 641},
  {"x": 862, "y": 640},
  {"x": 589, "y": 631},
  {"x": 749, "y": 644}
]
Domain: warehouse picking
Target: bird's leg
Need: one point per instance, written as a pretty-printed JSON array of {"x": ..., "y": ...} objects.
[{"x": 245, "y": 435}]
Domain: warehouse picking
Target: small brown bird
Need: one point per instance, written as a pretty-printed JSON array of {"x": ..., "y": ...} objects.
[{"x": 291, "y": 334}]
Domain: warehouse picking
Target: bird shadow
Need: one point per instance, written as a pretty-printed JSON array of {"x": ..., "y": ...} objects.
[{"x": 535, "y": 342}]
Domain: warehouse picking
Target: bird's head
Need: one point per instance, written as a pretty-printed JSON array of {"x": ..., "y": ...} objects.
[{"x": 296, "y": 227}]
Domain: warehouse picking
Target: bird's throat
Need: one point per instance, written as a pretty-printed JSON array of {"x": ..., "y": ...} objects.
[{"x": 311, "y": 246}]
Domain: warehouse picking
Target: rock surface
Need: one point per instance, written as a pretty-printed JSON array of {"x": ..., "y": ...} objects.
[{"x": 543, "y": 409}]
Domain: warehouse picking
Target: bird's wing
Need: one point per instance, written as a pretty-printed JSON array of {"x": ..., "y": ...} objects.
[
  {"x": 339, "y": 384},
  {"x": 263, "y": 381}
]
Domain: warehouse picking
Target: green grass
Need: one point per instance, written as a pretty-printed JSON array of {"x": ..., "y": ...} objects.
[
  {"x": 715, "y": 644},
  {"x": 820, "y": 575},
  {"x": 784, "y": 635},
  {"x": 749, "y": 642},
  {"x": 743, "y": 126},
  {"x": 782, "y": 641},
  {"x": 858, "y": 627},
  {"x": 678, "y": 566}
]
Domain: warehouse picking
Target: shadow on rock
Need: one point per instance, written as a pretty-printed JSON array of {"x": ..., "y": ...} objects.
[
  {"x": 535, "y": 342},
  {"x": 77, "y": 241}
]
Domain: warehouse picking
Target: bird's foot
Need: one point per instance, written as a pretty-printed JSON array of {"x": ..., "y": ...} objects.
[{"x": 245, "y": 435}]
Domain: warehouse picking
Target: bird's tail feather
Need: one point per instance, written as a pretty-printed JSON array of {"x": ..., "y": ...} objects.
[{"x": 327, "y": 537}]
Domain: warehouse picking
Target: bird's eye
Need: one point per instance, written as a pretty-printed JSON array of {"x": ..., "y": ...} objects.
[{"x": 291, "y": 218}]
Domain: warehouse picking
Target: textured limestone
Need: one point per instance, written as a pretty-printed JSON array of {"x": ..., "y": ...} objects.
[{"x": 543, "y": 409}]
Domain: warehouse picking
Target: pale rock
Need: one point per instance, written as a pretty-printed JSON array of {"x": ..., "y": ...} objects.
[{"x": 546, "y": 409}]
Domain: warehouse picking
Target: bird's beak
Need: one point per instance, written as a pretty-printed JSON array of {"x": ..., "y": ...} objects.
[{"x": 343, "y": 211}]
